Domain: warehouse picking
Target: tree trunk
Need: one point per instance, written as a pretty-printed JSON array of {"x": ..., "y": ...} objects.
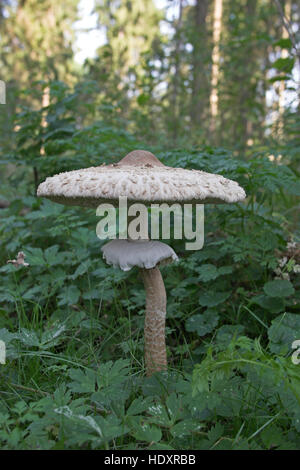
[
  {"x": 45, "y": 103},
  {"x": 284, "y": 55},
  {"x": 217, "y": 28},
  {"x": 248, "y": 88},
  {"x": 200, "y": 83},
  {"x": 176, "y": 82}
]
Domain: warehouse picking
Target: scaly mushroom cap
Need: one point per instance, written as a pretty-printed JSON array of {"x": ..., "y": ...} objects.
[
  {"x": 141, "y": 177},
  {"x": 126, "y": 254}
]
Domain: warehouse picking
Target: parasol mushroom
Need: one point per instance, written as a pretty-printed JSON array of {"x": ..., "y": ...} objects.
[
  {"x": 147, "y": 256},
  {"x": 141, "y": 177}
]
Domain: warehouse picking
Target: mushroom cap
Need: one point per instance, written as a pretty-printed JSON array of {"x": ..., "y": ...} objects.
[
  {"x": 141, "y": 177},
  {"x": 126, "y": 254}
]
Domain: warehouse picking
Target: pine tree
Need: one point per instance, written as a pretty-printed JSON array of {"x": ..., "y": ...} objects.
[
  {"x": 132, "y": 29},
  {"x": 36, "y": 39}
]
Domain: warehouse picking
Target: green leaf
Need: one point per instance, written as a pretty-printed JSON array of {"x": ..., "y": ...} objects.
[
  {"x": 159, "y": 412},
  {"x": 225, "y": 270},
  {"x": 215, "y": 433},
  {"x": 207, "y": 272},
  {"x": 52, "y": 256},
  {"x": 203, "y": 323},
  {"x": 138, "y": 406},
  {"x": 211, "y": 299},
  {"x": 142, "y": 99},
  {"x": 174, "y": 407},
  {"x": 35, "y": 257},
  {"x": 185, "y": 428},
  {"x": 112, "y": 382},
  {"x": 105, "y": 429},
  {"x": 7, "y": 297},
  {"x": 15, "y": 436},
  {"x": 279, "y": 78},
  {"x": 69, "y": 295},
  {"x": 284, "y": 63},
  {"x": 279, "y": 288},
  {"x": 53, "y": 336},
  {"x": 29, "y": 337},
  {"x": 283, "y": 331},
  {"x": 82, "y": 381},
  {"x": 147, "y": 433},
  {"x": 285, "y": 43},
  {"x": 226, "y": 333},
  {"x": 6, "y": 336},
  {"x": 272, "y": 304},
  {"x": 272, "y": 436},
  {"x": 81, "y": 269},
  {"x": 31, "y": 293}
]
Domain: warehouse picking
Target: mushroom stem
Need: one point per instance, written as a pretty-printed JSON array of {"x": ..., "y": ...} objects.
[{"x": 154, "y": 329}]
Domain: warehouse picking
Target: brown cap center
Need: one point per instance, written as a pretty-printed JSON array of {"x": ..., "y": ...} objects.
[{"x": 140, "y": 158}]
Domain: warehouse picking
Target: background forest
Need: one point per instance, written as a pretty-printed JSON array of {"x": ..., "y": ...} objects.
[{"x": 211, "y": 85}]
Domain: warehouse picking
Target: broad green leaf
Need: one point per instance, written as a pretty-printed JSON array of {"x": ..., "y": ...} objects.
[
  {"x": 52, "y": 256},
  {"x": 159, "y": 412},
  {"x": 138, "y": 406},
  {"x": 112, "y": 383},
  {"x": 284, "y": 330},
  {"x": 203, "y": 323},
  {"x": 211, "y": 299},
  {"x": 35, "y": 257},
  {"x": 279, "y": 288},
  {"x": 83, "y": 381},
  {"x": 272, "y": 436},
  {"x": 147, "y": 433},
  {"x": 69, "y": 295},
  {"x": 207, "y": 272},
  {"x": 272, "y": 304},
  {"x": 285, "y": 43},
  {"x": 226, "y": 333},
  {"x": 29, "y": 337},
  {"x": 174, "y": 407},
  {"x": 7, "y": 336},
  {"x": 185, "y": 428},
  {"x": 52, "y": 336},
  {"x": 215, "y": 432},
  {"x": 285, "y": 64}
]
